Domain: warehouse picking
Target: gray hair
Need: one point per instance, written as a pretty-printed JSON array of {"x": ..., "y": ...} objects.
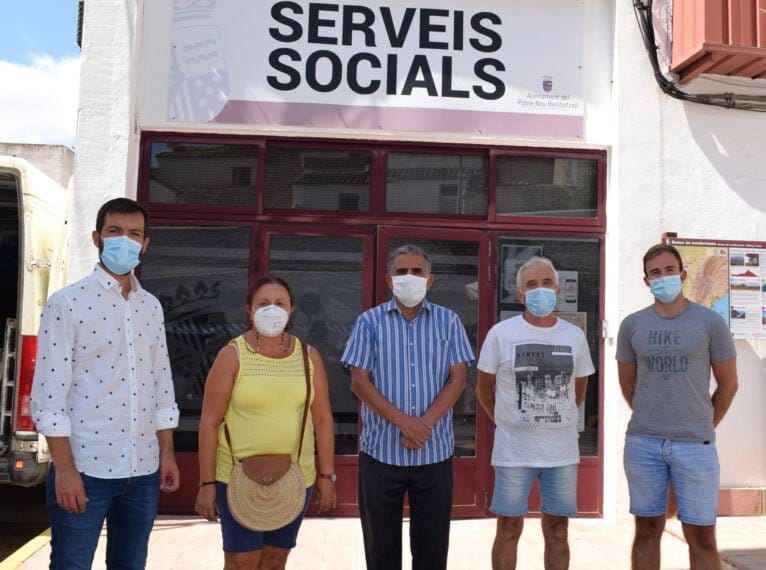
[
  {"x": 404, "y": 250},
  {"x": 544, "y": 261}
]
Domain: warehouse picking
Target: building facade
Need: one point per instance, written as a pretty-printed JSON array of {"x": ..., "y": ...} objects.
[{"x": 309, "y": 139}]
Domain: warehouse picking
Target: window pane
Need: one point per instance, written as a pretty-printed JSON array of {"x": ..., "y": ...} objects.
[
  {"x": 199, "y": 275},
  {"x": 312, "y": 179},
  {"x": 186, "y": 173},
  {"x": 436, "y": 183},
  {"x": 577, "y": 263},
  {"x": 455, "y": 267},
  {"x": 325, "y": 274},
  {"x": 542, "y": 186}
]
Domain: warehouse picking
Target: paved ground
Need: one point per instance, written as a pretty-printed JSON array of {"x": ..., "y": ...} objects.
[{"x": 188, "y": 543}]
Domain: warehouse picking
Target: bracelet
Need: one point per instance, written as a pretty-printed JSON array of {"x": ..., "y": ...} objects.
[{"x": 203, "y": 483}]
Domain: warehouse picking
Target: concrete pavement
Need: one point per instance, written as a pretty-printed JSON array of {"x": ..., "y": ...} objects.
[{"x": 189, "y": 543}]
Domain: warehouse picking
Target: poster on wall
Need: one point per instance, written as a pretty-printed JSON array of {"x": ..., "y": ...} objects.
[
  {"x": 509, "y": 67},
  {"x": 730, "y": 278},
  {"x": 567, "y": 297}
]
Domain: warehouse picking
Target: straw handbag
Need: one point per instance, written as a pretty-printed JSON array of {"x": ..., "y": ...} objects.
[{"x": 267, "y": 492}]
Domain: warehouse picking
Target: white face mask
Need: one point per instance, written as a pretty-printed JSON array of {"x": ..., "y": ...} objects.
[
  {"x": 270, "y": 320},
  {"x": 409, "y": 290}
]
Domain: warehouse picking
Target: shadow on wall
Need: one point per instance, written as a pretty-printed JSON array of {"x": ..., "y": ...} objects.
[
  {"x": 734, "y": 142},
  {"x": 743, "y": 459}
]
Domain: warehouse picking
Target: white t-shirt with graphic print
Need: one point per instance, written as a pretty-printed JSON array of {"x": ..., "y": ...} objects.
[{"x": 535, "y": 411}]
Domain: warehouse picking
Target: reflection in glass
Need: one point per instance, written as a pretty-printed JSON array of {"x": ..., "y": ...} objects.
[
  {"x": 199, "y": 275},
  {"x": 577, "y": 263},
  {"x": 191, "y": 173},
  {"x": 436, "y": 183},
  {"x": 455, "y": 267},
  {"x": 542, "y": 186},
  {"x": 314, "y": 179},
  {"x": 325, "y": 274}
]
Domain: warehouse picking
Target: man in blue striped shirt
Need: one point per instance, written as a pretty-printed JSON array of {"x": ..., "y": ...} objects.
[{"x": 408, "y": 361}]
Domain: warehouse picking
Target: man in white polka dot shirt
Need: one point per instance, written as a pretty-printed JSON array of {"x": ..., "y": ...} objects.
[{"x": 103, "y": 397}]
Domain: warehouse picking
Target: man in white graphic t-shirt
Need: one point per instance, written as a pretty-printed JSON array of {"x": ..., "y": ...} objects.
[{"x": 533, "y": 372}]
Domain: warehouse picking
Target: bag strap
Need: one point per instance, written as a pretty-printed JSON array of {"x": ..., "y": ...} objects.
[{"x": 304, "y": 350}]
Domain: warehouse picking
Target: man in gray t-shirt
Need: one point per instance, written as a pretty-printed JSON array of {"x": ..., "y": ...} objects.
[{"x": 665, "y": 353}]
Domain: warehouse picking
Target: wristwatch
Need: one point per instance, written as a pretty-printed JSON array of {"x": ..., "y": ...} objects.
[{"x": 331, "y": 476}]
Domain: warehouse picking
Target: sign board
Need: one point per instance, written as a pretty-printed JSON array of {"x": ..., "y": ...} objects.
[
  {"x": 728, "y": 277},
  {"x": 510, "y": 67}
]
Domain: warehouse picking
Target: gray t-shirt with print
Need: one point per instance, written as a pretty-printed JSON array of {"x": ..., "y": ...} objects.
[{"x": 673, "y": 358}]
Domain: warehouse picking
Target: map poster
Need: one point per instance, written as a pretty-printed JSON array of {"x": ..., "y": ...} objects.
[{"x": 728, "y": 277}]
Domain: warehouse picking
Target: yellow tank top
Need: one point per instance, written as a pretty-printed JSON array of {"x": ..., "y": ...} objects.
[{"x": 265, "y": 410}]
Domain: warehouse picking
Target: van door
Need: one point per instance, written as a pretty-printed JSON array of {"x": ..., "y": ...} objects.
[
  {"x": 9, "y": 303},
  {"x": 32, "y": 261}
]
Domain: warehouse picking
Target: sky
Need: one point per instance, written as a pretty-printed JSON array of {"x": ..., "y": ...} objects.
[{"x": 39, "y": 71}]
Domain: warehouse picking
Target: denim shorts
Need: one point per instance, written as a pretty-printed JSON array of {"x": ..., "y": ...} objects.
[
  {"x": 558, "y": 490},
  {"x": 651, "y": 463},
  {"x": 237, "y": 538}
]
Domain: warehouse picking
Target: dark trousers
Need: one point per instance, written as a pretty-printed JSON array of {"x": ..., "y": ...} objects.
[{"x": 381, "y": 503}]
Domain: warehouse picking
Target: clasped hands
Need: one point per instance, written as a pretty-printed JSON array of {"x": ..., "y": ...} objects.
[{"x": 415, "y": 432}]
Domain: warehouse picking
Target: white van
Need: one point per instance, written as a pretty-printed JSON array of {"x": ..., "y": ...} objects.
[{"x": 32, "y": 254}]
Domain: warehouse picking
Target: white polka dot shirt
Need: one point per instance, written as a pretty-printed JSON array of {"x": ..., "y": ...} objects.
[{"x": 103, "y": 377}]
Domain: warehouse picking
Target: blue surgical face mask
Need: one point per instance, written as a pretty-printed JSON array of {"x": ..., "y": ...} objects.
[
  {"x": 666, "y": 289},
  {"x": 540, "y": 301},
  {"x": 120, "y": 254}
]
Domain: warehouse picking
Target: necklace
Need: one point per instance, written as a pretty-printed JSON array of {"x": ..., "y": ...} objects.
[{"x": 282, "y": 346}]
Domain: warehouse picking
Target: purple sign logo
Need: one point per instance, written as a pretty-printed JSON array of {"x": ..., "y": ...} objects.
[{"x": 547, "y": 83}]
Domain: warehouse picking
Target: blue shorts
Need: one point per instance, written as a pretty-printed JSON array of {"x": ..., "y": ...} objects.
[
  {"x": 651, "y": 463},
  {"x": 237, "y": 538},
  {"x": 558, "y": 490}
]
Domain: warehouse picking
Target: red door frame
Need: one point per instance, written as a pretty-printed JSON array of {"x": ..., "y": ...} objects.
[
  {"x": 470, "y": 481},
  {"x": 474, "y": 477},
  {"x": 470, "y": 472},
  {"x": 346, "y": 466},
  {"x": 368, "y": 224},
  {"x": 590, "y": 476}
]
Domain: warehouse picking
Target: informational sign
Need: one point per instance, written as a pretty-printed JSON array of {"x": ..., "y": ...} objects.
[
  {"x": 728, "y": 277},
  {"x": 510, "y": 67},
  {"x": 567, "y": 298}
]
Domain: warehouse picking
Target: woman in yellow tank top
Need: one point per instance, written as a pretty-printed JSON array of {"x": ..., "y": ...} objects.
[{"x": 257, "y": 386}]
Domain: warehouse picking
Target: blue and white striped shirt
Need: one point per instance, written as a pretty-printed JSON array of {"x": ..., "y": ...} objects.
[{"x": 409, "y": 364}]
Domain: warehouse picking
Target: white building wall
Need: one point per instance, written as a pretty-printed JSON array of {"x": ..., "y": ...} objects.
[
  {"x": 673, "y": 166},
  {"x": 696, "y": 170},
  {"x": 55, "y": 161},
  {"x": 107, "y": 137}
]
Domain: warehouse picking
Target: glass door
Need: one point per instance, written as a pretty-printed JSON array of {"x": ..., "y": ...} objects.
[
  {"x": 326, "y": 270},
  {"x": 199, "y": 273},
  {"x": 460, "y": 268},
  {"x": 335, "y": 275},
  {"x": 200, "y": 276},
  {"x": 578, "y": 263}
]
